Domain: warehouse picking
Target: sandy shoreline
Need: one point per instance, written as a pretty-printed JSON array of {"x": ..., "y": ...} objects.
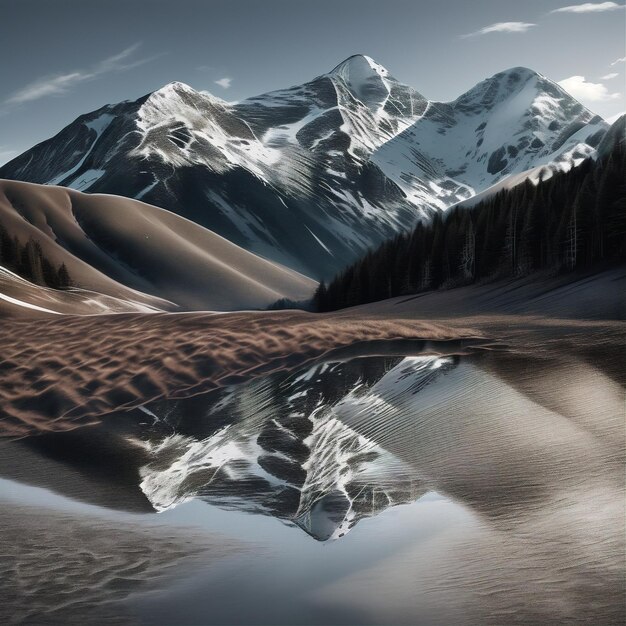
[
  {"x": 62, "y": 372},
  {"x": 525, "y": 435}
]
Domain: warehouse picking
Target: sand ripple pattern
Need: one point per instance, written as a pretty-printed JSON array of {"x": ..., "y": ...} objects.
[{"x": 57, "y": 374}]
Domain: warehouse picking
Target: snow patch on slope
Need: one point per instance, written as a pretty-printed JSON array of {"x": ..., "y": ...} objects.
[
  {"x": 506, "y": 125},
  {"x": 98, "y": 125}
]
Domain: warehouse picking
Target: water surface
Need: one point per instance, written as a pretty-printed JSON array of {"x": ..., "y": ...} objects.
[{"x": 481, "y": 489}]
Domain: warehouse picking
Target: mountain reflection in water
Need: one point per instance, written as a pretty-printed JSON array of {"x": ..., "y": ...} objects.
[{"x": 277, "y": 446}]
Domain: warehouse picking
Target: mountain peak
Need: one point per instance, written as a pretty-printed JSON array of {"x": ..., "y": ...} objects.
[
  {"x": 519, "y": 72},
  {"x": 174, "y": 87},
  {"x": 176, "y": 92},
  {"x": 360, "y": 63},
  {"x": 367, "y": 80},
  {"x": 171, "y": 90},
  {"x": 508, "y": 80},
  {"x": 506, "y": 86}
]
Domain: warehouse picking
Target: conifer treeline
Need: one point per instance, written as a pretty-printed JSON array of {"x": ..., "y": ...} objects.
[
  {"x": 572, "y": 220},
  {"x": 27, "y": 260}
]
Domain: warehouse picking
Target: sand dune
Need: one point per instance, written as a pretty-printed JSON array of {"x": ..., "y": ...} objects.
[
  {"x": 137, "y": 252},
  {"x": 61, "y": 372},
  {"x": 73, "y": 369},
  {"x": 21, "y": 298}
]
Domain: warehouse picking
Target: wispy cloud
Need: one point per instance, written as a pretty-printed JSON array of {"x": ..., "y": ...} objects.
[
  {"x": 224, "y": 82},
  {"x": 609, "y": 76},
  {"x": 501, "y": 27},
  {"x": 620, "y": 60},
  {"x": 47, "y": 86},
  {"x": 589, "y": 7},
  {"x": 58, "y": 84},
  {"x": 587, "y": 91}
]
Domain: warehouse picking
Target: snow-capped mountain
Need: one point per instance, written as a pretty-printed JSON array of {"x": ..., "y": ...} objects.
[
  {"x": 354, "y": 108},
  {"x": 510, "y": 123},
  {"x": 313, "y": 175},
  {"x": 279, "y": 446}
]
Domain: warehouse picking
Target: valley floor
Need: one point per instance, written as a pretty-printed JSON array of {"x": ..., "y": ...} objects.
[{"x": 61, "y": 372}]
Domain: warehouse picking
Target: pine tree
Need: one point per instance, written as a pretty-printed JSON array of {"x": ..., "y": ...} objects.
[
  {"x": 320, "y": 302},
  {"x": 31, "y": 262},
  {"x": 65, "y": 282},
  {"x": 468, "y": 253}
]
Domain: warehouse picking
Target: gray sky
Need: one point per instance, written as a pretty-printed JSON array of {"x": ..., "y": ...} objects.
[{"x": 62, "y": 58}]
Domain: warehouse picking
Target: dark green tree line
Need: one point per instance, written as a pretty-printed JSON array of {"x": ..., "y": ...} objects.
[{"x": 28, "y": 261}]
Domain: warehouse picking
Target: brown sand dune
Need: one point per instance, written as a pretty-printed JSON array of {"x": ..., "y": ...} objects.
[
  {"x": 61, "y": 372},
  {"x": 72, "y": 369},
  {"x": 134, "y": 251}
]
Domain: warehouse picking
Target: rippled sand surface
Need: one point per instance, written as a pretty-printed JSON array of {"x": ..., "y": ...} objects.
[
  {"x": 61, "y": 373},
  {"x": 534, "y": 449}
]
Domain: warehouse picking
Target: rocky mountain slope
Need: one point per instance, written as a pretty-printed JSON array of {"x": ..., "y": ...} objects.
[
  {"x": 313, "y": 175},
  {"x": 508, "y": 124}
]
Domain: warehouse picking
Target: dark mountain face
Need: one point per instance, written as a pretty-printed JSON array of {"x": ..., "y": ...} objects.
[{"x": 313, "y": 175}]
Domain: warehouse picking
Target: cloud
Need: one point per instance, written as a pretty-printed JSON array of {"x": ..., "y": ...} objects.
[
  {"x": 224, "y": 82},
  {"x": 589, "y": 7},
  {"x": 48, "y": 86},
  {"x": 620, "y": 60},
  {"x": 586, "y": 91},
  {"x": 609, "y": 76},
  {"x": 501, "y": 27},
  {"x": 58, "y": 84}
]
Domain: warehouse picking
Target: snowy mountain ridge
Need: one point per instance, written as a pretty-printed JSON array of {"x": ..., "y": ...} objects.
[
  {"x": 512, "y": 122},
  {"x": 313, "y": 175}
]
